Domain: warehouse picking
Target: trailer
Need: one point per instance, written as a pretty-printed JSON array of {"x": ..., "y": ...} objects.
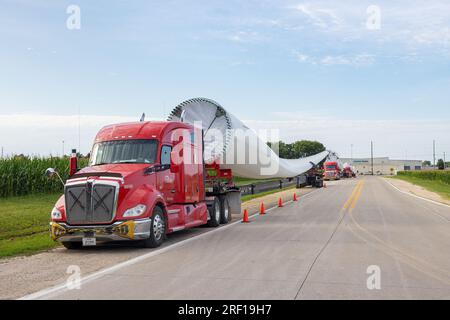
[{"x": 147, "y": 179}]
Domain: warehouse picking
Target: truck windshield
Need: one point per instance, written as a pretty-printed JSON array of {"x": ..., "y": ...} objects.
[
  {"x": 124, "y": 151},
  {"x": 330, "y": 167}
]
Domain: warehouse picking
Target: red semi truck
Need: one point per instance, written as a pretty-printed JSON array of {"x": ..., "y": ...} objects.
[
  {"x": 331, "y": 170},
  {"x": 144, "y": 180},
  {"x": 348, "y": 172}
]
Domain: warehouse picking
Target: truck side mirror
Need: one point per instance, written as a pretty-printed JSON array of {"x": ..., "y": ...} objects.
[{"x": 50, "y": 172}]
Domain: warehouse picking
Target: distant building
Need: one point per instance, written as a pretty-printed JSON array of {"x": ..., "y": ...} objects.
[{"x": 382, "y": 165}]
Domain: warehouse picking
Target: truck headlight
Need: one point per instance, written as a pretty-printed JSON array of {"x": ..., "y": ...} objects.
[
  {"x": 56, "y": 214},
  {"x": 135, "y": 211}
]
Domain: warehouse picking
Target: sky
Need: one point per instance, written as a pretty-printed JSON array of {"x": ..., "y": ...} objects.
[{"x": 340, "y": 72}]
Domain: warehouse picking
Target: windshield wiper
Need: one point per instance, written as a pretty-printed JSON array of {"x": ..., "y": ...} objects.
[
  {"x": 127, "y": 161},
  {"x": 100, "y": 163}
]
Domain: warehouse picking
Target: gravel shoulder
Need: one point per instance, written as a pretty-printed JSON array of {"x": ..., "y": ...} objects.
[{"x": 417, "y": 190}]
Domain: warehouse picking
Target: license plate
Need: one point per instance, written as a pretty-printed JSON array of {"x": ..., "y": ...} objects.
[{"x": 89, "y": 242}]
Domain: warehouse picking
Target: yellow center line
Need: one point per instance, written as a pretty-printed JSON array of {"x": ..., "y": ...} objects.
[
  {"x": 349, "y": 200},
  {"x": 356, "y": 197}
]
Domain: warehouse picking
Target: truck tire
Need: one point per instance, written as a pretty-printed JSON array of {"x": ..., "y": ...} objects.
[
  {"x": 214, "y": 213},
  {"x": 225, "y": 215},
  {"x": 72, "y": 245},
  {"x": 157, "y": 229}
]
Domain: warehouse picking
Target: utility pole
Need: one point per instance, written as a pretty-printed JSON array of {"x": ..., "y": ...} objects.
[
  {"x": 371, "y": 155},
  {"x": 444, "y": 161},
  {"x": 434, "y": 154},
  {"x": 351, "y": 152},
  {"x": 2, "y": 153},
  {"x": 63, "y": 148}
]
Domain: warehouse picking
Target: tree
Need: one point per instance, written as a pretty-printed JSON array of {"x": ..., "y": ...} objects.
[
  {"x": 440, "y": 164},
  {"x": 305, "y": 148},
  {"x": 298, "y": 149},
  {"x": 426, "y": 163}
]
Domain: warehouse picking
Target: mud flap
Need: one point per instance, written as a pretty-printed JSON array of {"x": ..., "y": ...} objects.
[{"x": 234, "y": 201}]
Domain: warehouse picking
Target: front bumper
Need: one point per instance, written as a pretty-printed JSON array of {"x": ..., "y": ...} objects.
[
  {"x": 330, "y": 176},
  {"x": 118, "y": 231}
]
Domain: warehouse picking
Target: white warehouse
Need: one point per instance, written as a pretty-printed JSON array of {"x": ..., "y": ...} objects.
[{"x": 382, "y": 165}]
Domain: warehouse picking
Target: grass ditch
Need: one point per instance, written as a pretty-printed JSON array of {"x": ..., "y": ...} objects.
[
  {"x": 24, "y": 223},
  {"x": 433, "y": 180}
]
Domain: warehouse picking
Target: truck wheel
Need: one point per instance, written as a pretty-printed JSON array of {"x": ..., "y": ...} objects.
[
  {"x": 214, "y": 213},
  {"x": 157, "y": 229},
  {"x": 72, "y": 245},
  {"x": 225, "y": 215}
]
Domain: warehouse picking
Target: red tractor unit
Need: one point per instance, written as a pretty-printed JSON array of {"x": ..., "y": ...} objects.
[
  {"x": 331, "y": 170},
  {"x": 348, "y": 172},
  {"x": 144, "y": 180}
]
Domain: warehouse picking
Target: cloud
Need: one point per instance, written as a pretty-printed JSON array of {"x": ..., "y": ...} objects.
[
  {"x": 246, "y": 37},
  {"x": 319, "y": 17},
  {"x": 356, "y": 60},
  {"x": 301, "y": 57},
  {"x": 413, "y": 27}
]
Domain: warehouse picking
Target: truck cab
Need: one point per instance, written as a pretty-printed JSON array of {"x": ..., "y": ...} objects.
[
  {"x": 144, "y": 180},
  {"x": 331, "y": 171}
]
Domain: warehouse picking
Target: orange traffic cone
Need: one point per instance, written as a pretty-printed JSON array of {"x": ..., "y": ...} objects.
[
  {"x": 280, "y": 202},
  {"x": 262, "y": 209},
  {"x": 245, "y": 218},
  {"x": 295, "y": 197}
]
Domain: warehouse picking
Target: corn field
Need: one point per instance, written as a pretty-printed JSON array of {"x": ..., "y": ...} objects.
[
  {"x": 437, "y": 175},
  {"x": 22, "y": 175}
]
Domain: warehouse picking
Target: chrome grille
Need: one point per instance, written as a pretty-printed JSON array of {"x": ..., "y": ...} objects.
[{"x": 90, "y": 203}]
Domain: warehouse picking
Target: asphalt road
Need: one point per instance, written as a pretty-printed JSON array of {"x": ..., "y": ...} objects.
[{"x": 356, "y": 239}]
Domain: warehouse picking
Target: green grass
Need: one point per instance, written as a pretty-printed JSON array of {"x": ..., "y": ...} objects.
[
  {"x": 437, "y": 186},
  {"x": 24, "y": 223},
  {"x": 26, "y": 245}
]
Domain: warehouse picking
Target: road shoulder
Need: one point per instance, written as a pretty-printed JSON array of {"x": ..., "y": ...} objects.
[{"x": 416, "y": 190}]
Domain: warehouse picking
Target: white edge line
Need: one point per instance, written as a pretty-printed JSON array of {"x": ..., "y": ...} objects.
[
  {"x": 416, "y": 196},
  {"x": 63, "y": 287}
]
